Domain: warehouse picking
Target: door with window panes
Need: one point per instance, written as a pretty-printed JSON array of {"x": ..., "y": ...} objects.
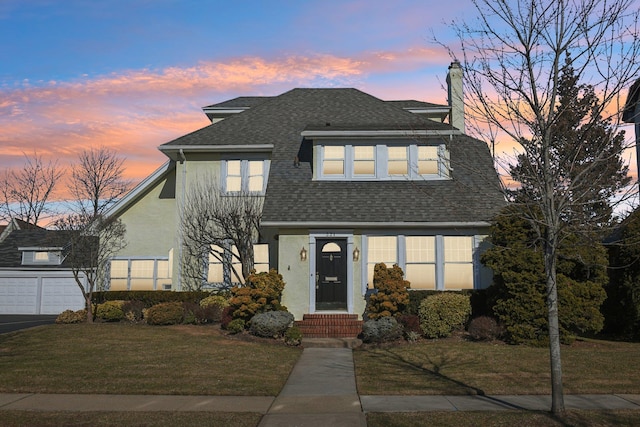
[{"x": 331, "y": 274}]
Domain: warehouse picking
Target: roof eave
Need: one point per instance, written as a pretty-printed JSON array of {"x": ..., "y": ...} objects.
[
  {"x": 419, "y": 133},
  {"x": 370, "y": 225}
]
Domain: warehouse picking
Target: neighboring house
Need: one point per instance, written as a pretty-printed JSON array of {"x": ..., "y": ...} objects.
[
  {"x": 348, "y": 181},
  {"x": 34, "y": 278}
]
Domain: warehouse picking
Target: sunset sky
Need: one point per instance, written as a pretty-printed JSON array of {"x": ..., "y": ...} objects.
[{"x": 134, "y": 74}]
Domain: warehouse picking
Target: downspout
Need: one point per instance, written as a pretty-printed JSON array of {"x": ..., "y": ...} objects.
[{"x": 183, "y": 162}]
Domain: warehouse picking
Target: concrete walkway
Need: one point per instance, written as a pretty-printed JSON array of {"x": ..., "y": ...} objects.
[{"x": 320, "y": 391}]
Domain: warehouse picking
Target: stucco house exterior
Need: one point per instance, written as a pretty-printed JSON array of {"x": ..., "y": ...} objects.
[{"x": 348, "y": 180}]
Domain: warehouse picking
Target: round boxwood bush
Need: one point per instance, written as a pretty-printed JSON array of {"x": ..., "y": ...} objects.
[
  {"x": 215, "y": 301},
  {"x": 236, "y": 326},
  {"x": 110, "y": 311},
  {"x": 380, "y": 330},
  {"x": 440, "y": 314},
  {"x": 166, "y": 313},
  {"x": 272, "y": 324}
]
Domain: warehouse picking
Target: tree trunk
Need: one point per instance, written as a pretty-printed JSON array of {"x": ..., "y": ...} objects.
[
  {"x": 89, "y": 307},
  {"x": 557, "y": 394}
]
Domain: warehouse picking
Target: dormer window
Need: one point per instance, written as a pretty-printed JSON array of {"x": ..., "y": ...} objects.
[
  {"x": 41, "y": 256},
  {"x": 369, "y": 162}
]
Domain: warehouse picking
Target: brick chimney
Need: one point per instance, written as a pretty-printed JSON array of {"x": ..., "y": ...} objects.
[{"x": 456, "y": 97}]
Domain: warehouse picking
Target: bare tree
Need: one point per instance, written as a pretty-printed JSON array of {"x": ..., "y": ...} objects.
[
  {"x": 25, "y": 192},
  {"x": 92, "y": 243},
  {"x": 512, "y": 57},
  {"x": 212, "y": 219},
  {"x": 97, "y": 181}
]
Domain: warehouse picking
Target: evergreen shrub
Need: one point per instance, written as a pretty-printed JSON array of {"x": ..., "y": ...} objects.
[
  {"x": 236, "y": 326},
  {"x": 518, "y": 295},
  {"x": 70, "y": 316},
  {"x": 381, "y": 330},
  {"x": 166, "y": 313},
  {"x": 110, "y": 311},
  {"x": 392, "y": 297},
  {"x": 261, "y": 292},
  {"x": 293, "y": 336},
  {"x": 133, "y": 311},
  {"x": 441, "y": 314},
  {"x": 271, "y": 324}
]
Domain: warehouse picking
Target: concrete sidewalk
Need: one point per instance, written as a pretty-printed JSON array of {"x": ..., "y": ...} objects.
[{"x": 320, "y": 391}]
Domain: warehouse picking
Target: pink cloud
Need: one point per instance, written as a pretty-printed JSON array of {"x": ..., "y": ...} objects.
[{"x": 137, "y": 110}]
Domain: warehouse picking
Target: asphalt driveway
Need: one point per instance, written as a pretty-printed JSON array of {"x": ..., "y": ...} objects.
[{"x": 16, "y": 322}]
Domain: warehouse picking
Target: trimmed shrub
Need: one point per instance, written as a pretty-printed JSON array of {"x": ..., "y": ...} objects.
[
  {"x": 441, "y": 314},
  {"x": 133, "y": 311},
  {"x": 70, "y": 316},
  {"x": 392, "y": 297},
  {"x": 150, "y": 298},
  {"x": 293, "y": 336},
  {"x": 236, "y": 326},
  {"x": 484, "y": 328},
  {"x": 381, "y": 330},
  {"x": 110, "y": 311},
  {"x": 215, "y": 301},
  {"x": 271, "y": 324},
  {"x": 166, "y": 313},
  {"x": 261, "y": 293}
]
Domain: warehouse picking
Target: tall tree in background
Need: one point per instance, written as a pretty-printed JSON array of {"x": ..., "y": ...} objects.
[
  {"x": 25, "y": 192},
  {"x": 512, "y": 58},
  {"x": 97, "y": 181}
]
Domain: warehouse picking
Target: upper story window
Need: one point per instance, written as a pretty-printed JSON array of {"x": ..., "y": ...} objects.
[
  {"x": 47, "y": 257},
  {"x": 244, "y": 176},
  {"x": 382, "y": 162}
]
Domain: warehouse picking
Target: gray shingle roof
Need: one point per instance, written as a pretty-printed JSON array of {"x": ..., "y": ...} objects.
[
  {"x": 10, "y": 256},
  {"x": 473, "y": 195}
]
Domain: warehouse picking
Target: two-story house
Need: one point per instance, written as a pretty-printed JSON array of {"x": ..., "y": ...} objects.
[{"x": 348, "y": 180}]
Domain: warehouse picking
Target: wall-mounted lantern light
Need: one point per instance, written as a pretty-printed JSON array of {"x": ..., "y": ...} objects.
[
  {"x": 356, "y": 254},
  {"x": 303, "y": 254}
]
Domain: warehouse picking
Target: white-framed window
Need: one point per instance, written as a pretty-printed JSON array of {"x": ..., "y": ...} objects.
[
  {"x": 420, "y": 261},
  {"x": 397, "y": 161},
  {"x": 458, "y": 262},
  {"x": 45, "y": 257},
  {"x": 435, "y": 262},
  {"x": 382, "y": 162},
  {"x": 245, "y": 175},
  {"x": 380, "y": 249},
  {"x": 333, "y": 160},
  {"x": 139, "y": 274}
]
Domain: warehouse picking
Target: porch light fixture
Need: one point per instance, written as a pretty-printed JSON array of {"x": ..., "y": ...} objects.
[
  {"x": 356, "y": 254},
  {"x": 303, "y": 254}
]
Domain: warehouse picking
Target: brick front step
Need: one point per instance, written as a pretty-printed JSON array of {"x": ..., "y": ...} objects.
[{"x": 330, "y": 325}]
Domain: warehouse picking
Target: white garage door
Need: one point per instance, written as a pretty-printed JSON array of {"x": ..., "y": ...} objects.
[
  {"x": 39, "y": 293},
  {"x": 19, "y": 295}
]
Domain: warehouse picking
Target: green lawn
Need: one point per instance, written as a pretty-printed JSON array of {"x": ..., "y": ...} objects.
[
  {"x": 140, "y": 359},
  {"x": 198, "y": 360},
  {"x": 454, "y": 366}
]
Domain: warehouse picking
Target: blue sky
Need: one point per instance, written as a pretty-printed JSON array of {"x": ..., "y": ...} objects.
[{"x": 134, "y": 74}]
